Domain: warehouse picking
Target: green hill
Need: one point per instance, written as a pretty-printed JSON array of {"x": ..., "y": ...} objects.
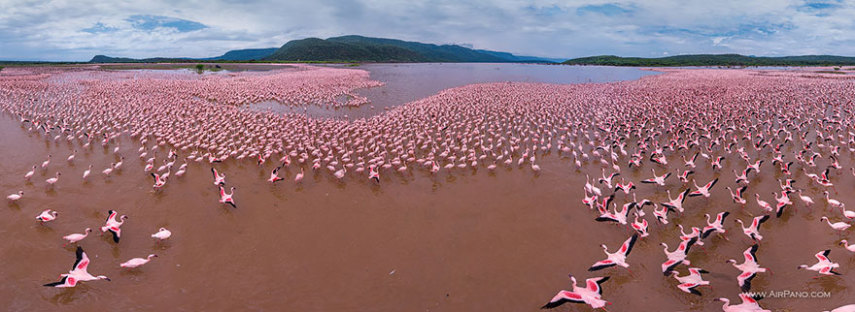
[
  {"x": 245, "y": 55},
  {"x": 347, "y": 49},
  {"x": 715, "y": 60},
  {"x": 367, "y": 49}
]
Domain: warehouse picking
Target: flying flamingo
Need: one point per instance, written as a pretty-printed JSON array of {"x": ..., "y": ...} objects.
[
  {"x": 227, "y": 198},
  {"x": 616, "y": 258},
  {"x": 113, "y": 225},
  {"x": 591, "y": 294},
  {"x": 749, "y": 268},
  {"x": 78, "y": 272},
  {"x": 824, "y": 265}
]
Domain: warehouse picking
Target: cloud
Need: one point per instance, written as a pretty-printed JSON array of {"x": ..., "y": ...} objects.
[{"x": 77, "y": 30}]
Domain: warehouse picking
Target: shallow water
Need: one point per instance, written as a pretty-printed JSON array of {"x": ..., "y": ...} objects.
[
  {"x": 409, "y": 82},
  {"x": 467, "y": 240}
]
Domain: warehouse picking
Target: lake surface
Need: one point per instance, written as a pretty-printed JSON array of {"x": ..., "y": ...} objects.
[
  {"x": 409, "y": 82},
  {"x": 462, "y": 240}
]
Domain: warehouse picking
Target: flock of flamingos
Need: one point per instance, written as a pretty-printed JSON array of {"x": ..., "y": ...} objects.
[{"x": 789, "y": 125}]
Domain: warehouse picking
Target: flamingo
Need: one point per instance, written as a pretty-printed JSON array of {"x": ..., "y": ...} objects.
[
  {"x": 678, "y": 256},
  {"x": 30, "y": 173},
  {"x": 113, "y": 225},
  {"x": 137, "y": 262},
  {"x": 162, "y": 234},
  {"x": 846, "y": 308},
  {"x": 159, "y": 180},
  {"x": 806, "y": 199},
  {"x": 690, "y": 282},
  {"x": 833, "y": 202},
  {"x": 53, "y": 180},
  {"x": 219, "y": 179},
  {"x": 824, "y": 265},
  {"x": 704, "y": 190},
  {"x": 591, "y": 294},
  {"x": 76, "y": 237},
  {"x": 716, "y": 226},
  {"x": 46, "y": 216},
  {"x": 749, "y": 268},
  {"x": 78, "y": 273},
  {"x": 640, "y": 226},
  {"x": 299, "y": 177},
  {"x": 274, "y": 176},
  {"x": 15, "y": 197},
  {"x": 763, "y": 204},
  {"x": 658, "y": 180},
  {"x": 837, "y": 226},
  {"x": 616, "y": 258},
  {"x": 227, "y": 198},
  {"x": 676, "y": 203},
  {"x": 753, "y": 230},
  {"x": 749, "y": 304},
  {"x": 86, "y": 172}
]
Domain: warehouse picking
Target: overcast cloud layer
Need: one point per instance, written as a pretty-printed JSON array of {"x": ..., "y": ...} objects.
[{"x": 77, "y": 30}]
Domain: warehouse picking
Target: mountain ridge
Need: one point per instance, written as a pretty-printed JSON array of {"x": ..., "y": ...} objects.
[{"x": 351, "y": 48}]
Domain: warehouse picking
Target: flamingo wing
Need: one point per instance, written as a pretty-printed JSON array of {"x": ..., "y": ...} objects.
[
  {"x": 66, "y": 281},
  {"x": 82, "y": 262},
  {"x": 563, "y": 297},
  {"x": 117, "y": 233},
  {"x": 669, "y": 266},
  {"x": 751, "y": 253},
  {"x": 626, "y": 248},
  {"x": 599, "y": 265},
  {"x": 744, "y": 280},
  {"x": 823, "y": 255},
  {"x": 690, "y": 288},
  {"x": 593, "y": 284}
]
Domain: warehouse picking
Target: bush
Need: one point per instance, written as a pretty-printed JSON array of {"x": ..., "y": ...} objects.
[{"x": 200, "y": 67}]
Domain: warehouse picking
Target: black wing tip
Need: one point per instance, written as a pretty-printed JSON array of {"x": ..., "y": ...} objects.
[
  {"x": 54, "y": 284},
  {"x": 600, "y": 267},
  {"x": 695, "y": 291},
  {"x": 553, "y": 304}
]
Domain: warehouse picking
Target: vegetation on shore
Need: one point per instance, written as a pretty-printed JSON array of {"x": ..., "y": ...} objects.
[{"x": 714, "y": 60}]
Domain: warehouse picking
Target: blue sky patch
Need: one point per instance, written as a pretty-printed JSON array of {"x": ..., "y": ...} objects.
[
  {"x": 99, "y": 28},
  {"x": 608, "y": 9},
  {"x": 150, "y": 22}
]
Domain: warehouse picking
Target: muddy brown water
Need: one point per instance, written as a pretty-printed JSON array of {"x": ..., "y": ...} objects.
[{"x": 468, "y": 240}]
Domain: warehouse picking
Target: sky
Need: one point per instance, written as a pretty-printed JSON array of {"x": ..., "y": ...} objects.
[{"x": 77, "y": 30}]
